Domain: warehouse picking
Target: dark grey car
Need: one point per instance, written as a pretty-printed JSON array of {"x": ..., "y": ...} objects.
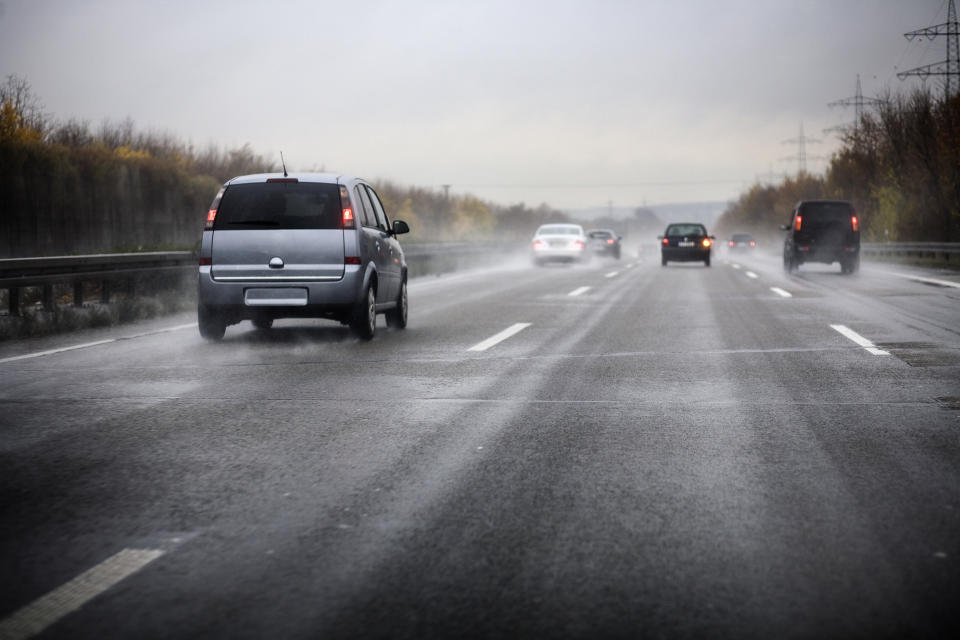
[
  {"x": 825, "y": 231},
  {"x": 300, "y": 245}
]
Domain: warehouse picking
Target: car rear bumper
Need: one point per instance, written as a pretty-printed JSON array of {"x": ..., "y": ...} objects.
[
  {"x": 559, "y": 255},
  {"x": 241, "y": 300},
  {"x": 685, "y": 254},
  {"x": 826, "y": 255}
]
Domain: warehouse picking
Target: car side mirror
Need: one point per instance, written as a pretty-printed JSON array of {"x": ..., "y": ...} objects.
[{"x": 399, "y": 226}]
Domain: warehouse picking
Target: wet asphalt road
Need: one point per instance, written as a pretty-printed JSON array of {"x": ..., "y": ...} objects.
[{"x": 672, "y": 452}]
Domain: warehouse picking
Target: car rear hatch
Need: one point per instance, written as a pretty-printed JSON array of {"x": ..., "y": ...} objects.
[
  {"x": 826, "y": 226},
  {"x": 278, "y": 230}
]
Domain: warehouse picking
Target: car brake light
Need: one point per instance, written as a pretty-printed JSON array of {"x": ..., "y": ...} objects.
[
  {"x": 351, "y": 260},
  {"x": 212, "y": 212},
  {"x": 706, "y": 242},
  {"x": 349, "y": 222},
  {"x": 797, "y": 223},
  {"x": 752, "y": 243},
  {"x": 731, "y": 243},
  {"x": 665, "y": 241},
  {"x": 578, "y": 245},
  {"x": 206, "y": 262},
  {"x": 609, "y": 240},
  {"x": 539, "y": 244},
  {"x": 855, "y": 223}
]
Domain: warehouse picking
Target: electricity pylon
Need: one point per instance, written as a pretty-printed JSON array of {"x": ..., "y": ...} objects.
[
  {"x": 801, "y": 141},
  {"x": 949, "y": 68},
  {"x": 858, "y": 102}
]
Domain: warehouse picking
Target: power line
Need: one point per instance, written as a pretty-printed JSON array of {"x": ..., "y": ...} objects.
[
  {"x": 801, "y": 141},
  {"x": 858, "y": 102},
  {"x": 949, "y": 69}
]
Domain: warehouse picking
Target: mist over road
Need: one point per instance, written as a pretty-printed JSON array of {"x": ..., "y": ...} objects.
[{"x": 617, "y": 449}]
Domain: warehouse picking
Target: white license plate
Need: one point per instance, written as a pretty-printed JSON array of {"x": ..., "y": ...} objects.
[{"x": 686, "y": 244}]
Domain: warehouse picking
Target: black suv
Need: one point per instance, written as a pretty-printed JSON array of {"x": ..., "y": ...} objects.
[{"x": 825, "y": 231}]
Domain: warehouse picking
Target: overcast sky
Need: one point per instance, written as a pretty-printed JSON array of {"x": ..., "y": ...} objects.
[{"x": 570, "y": 103}]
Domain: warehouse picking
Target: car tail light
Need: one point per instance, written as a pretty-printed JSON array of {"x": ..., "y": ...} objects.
[
  {"x": 578, "y": 245},
  {"x": 797, "y": 223},
  {"x": 610, "y": 240},
  {"x": 351, "y": 260},
  {"x": 206, "y": 262},
  {"x": 855, "y": 223},
  {"x": 212, "y": 212},
  {"x": 706, "y": 242},
  {"x": 666, "y": 241},
  {"x": 731, "y": 243},
  {"x": 752, "y": 243},
  {"x": 539, "y": 244},
  {"x": 349, "y": 221}
]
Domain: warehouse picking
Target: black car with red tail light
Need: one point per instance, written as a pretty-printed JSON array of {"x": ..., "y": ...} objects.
[
  {"x": 825, "y": 231},
  {"x": 685, "y": 242}
]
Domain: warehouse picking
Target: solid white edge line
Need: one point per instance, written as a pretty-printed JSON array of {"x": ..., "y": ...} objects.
[
  {"x": 859, "y": 339},
  {"x": 578, "y": 291},
  {"x": 612, "y": 274},
  {"x": 500, "y": 337},
  {"x": 942, "y": 283},
  {"x": 50, "y": 352},
  {"x": 85, "y": 345},
  {"x": 35, "y": 617},
  {"x": 781, "y": 292},
  {"x": 751, "y": 274}
]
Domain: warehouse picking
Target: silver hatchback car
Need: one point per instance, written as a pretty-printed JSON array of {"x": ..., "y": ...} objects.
[{"x": 311, "y": 245}]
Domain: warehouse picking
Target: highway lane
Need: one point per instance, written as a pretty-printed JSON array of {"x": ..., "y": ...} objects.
[{"x": 673, "y": 451}]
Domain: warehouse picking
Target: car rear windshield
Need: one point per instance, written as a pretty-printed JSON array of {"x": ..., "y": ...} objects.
[
  {"x": 279, "y": 205},
  {"x": 826, "y": 211},
  {"x": 600, "y": 234},
  {"x": 741, "y": 237},
  {"x": 686, "y": 230},
  {"x": 560, "y": 230}
]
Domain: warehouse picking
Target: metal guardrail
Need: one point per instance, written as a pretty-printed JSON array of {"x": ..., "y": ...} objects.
[
  {"x": 106, "y": 268},
  {"x": 907, "y": 249},
  {"x": 109, "y": 268}
]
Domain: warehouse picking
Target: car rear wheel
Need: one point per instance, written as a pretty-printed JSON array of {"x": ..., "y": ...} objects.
[
  {"x": 663, "y": 261},
  {"x": 706, "y": 261},
  {"x": 364, "y": 320},
  {"x": 212, "y": 325},
  {"x": 397, "y": 317}
]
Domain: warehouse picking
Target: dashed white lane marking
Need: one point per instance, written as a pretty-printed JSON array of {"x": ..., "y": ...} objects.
[
  {"x": 577, "y": 292},
  {"x": 735, "y": 265},
  {"x": 40, "y": 614},
  {"x": 631, "y": 265},
  {"x": 859, "y": 339},
  {"x": 612, "y": 274},
  {"x": 751, "y": 274},
  {"x": 86, "y": 345},
  {"x": 781, "y": 292},
  {"x": 500, "y": 337}
]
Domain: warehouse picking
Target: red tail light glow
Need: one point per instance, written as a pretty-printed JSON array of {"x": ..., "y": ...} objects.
[
  {"x": 351, "y": 260},
  {"x": 206, "y": 262},
  {"x": 610, "y": 241},
  {"x": 731, "y": 243},
  {"x": 212, "y": 212},
  {"x": 752, "y": 243},
  {"x": 539, "y": 244},
  {"x": 855, "y": 223},
  {"x": 349, "y": 221},
  {"x": 578, "y": 245},
  {"x": 798, "y": 223},
  {"x": 665, "y": 241}
]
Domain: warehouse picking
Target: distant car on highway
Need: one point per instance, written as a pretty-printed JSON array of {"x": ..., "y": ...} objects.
[
  {"x": 824, "y": 231},
  {"x": 741, "y": 242},
  {"x": 559, "y": 243},
  {"x": 311, "y": 245},
  {"x": 685, "y": 242},
  {"x": 603, "y": 242}
]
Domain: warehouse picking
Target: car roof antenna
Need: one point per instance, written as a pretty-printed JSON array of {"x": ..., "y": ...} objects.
[{"x": 283, "y": 164}]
